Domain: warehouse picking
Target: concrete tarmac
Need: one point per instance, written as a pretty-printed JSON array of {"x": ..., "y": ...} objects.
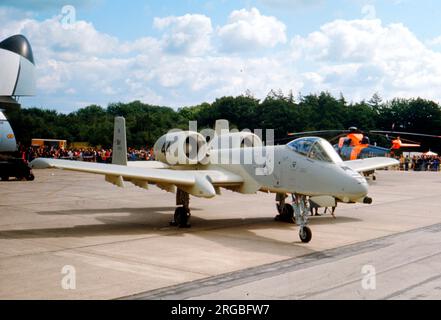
[{"x": 119, "y": 244}]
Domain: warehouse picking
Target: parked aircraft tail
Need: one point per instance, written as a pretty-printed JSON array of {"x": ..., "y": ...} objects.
[
  {"x": 222, "y": 127},
  {"x": 119, "y": 151}
]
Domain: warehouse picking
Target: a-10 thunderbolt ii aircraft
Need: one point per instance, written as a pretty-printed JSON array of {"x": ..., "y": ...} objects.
[{"x": 307, "y": 168}]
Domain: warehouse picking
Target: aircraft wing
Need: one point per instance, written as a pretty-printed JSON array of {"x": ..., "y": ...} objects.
[
  {"x": 369, "y": 164},
  {"x": 147, "y": 164},
  {"x": 200, "y": 183}
]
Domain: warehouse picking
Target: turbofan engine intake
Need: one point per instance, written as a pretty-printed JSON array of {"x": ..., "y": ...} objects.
[{"x": 181, "y": 148}]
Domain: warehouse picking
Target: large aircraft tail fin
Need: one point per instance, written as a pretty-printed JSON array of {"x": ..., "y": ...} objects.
[{"x": 119, "y": 151}]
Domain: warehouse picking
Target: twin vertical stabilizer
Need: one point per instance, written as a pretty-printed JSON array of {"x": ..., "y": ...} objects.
[{"x": 119, "y": 152}]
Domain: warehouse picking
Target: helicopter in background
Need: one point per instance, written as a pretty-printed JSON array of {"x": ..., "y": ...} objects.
[{"x": 355, "y": 144}]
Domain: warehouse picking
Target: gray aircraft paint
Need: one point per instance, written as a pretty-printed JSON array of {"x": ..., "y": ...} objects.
[
  {"x": 295, "y": 173},
  {"x": 7, "y": 137}
]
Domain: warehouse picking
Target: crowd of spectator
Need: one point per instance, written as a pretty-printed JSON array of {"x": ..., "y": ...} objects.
[
  {"x": 420, "y": 163},
  {"x": 85, "y": 154},
  {"x": 407, "y": 163}
]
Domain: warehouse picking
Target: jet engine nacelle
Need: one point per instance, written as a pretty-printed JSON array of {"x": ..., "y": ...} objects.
[
  {"x": 181, "y": 148},
  {"x": 234, "y": 140}
]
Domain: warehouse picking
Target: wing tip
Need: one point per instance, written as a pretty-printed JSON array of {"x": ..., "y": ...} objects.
[{"x": 40, "y": 163}]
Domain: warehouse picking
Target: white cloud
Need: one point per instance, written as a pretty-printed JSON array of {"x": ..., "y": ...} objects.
[
  {"x": 9, "y": 25},
  {"x": 248, "y": 30},
  {"x": 81, "y": 65},
  {"x": 434, "y": 42},
  {"x": 282, "y": 4},
  {"x": 358, "y": 41},
  {"x": 45, "y": 4},
  {"x": 188, "y": 34},
  {"x": 182, "y": 67},
  {"x": 359, "y": 57},
  {"x": 67, "y": 44}
]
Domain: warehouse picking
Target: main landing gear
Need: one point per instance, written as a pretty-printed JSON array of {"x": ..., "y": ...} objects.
[
  {"x": 295, "y": 213},
  {"x": 182, "y": 214},
  {"x": 286, "y": 211}
]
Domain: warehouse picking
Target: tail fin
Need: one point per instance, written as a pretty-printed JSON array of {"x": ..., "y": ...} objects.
[
  {"x": 119, "y": 152},
  {"x": 222, "y": 126}
]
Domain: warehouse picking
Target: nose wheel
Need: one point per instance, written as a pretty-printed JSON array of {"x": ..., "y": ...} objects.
[
  {"x": 305, "y": 234},
  {"x": 301, "y": 209}
]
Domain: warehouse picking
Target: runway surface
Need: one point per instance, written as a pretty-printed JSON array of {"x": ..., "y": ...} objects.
[
  {"x": 332, "y": 274},
  {"x": 119, "y": 243}
]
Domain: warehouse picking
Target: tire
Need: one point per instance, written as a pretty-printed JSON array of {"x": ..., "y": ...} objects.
[
  {"x": 181, "y": 217},
  {"x": 286, "y": 213},
  {"x": 305, "y": 234},
  {"x": 288, "y": 210},
  {"x": 5, "y": 178},
  {"x": 30, "y": 177}
]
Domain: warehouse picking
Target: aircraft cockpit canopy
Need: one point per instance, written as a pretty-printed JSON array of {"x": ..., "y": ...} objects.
[{"x": 315, "y": 148}]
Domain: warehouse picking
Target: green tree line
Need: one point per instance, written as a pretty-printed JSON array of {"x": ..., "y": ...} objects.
[{"x": 283, "y": 113}]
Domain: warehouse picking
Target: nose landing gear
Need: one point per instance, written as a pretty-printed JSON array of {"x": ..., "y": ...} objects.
[
  {"x": 295, "y": 213},
  {"x": 301, "y": 209},
  {"x": 305, "y": 234}
]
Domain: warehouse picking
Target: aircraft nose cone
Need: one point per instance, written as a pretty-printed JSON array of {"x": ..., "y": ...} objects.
[
  {"x": 363, "y": 188},
  {"x": 359, "y": 188}
]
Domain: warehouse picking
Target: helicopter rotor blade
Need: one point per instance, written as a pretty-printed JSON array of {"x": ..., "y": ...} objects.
[
  {"x": 390, "y": 138},
  {"x": 316, "y": 132},
  {"x": 406, "y": 133},
  {"x": 336, "y": 137}
]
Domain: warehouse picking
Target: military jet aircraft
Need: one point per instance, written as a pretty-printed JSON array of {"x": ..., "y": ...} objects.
[{"x": 308, "y": 168}]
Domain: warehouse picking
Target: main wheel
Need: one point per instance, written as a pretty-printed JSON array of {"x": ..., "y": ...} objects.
[
  {"x": 181, "y": 217},
  {"x": 30, "y": 177},
  {"x": 286, "y": 214},
  {"x": 5, "y": 178},
  {"x": 305, "y": 234}
]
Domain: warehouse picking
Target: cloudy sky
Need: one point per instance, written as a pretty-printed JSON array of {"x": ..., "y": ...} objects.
[{"x": 185, "y": 52}]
